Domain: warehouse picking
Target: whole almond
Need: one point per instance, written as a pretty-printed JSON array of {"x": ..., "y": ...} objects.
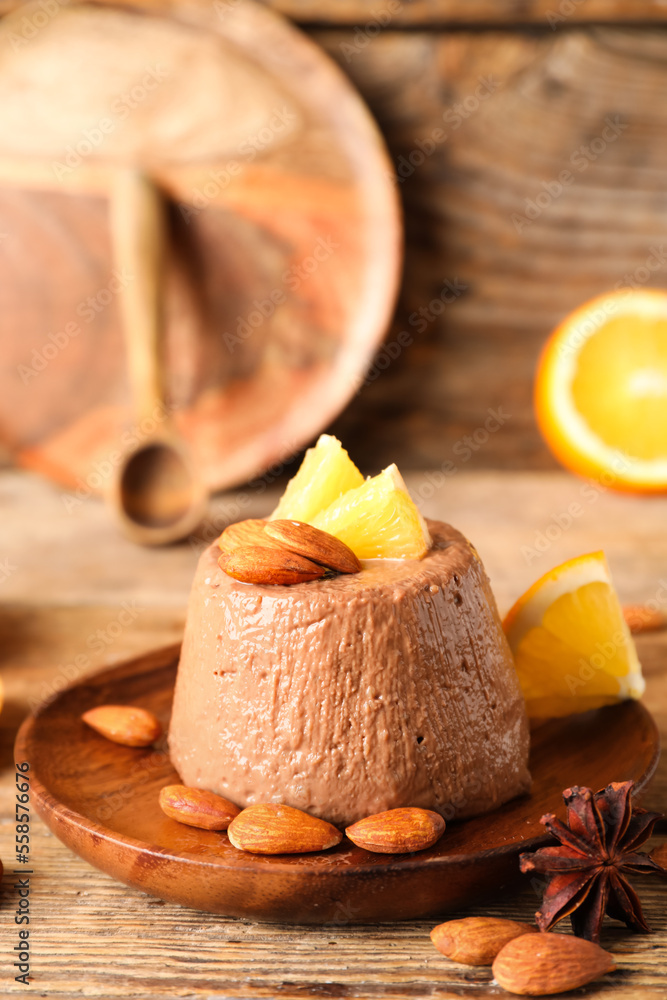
[
  {"x": 273, "y": 566},
  {"x": 397, "y": 831},
  {"x": 641, "y": 618},
  {"x": 315, "y": 544},
  {"x": 197, "y": 807},
  {"x": 126, "y": 724},
  {"x": 477, "y": 940},
  {"x": 541, "y": 964},
  {"x": 243, "y": 534},
  {"x": 278, "y": 829}
]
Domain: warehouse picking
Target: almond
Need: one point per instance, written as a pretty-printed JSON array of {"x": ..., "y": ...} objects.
[
  {"x": 541, "y": 964},
  {"x": 126, "y": 724},
  {"x": 397, "y": 831},
  {"x": 197, "y": 807},
  {"x": 314, "y": 544},
  {"x": 641, "y": 618},
  {"x": 243, "y": 534},
  {"x": 278, "y": 829},
  {"x": 476, "y": 940},
  {"x": 260, "y": 564}
]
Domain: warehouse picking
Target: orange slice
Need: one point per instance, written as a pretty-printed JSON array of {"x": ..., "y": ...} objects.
[
  {"x": 601, "y": 390},
  {"x": 572, "y": 647}
]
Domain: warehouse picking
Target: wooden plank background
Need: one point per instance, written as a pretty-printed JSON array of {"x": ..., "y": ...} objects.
[
  {"x": 482, "y": 124},
  {"x": 466, "y": 12}
]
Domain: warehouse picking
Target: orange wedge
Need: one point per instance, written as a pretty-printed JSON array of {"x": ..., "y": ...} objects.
[
  {"x": 572, "y": 647},
  {"x": 378, "y": 520},
  {"x": 327, "y": 471},
  {"x": 601, "y": 390}
]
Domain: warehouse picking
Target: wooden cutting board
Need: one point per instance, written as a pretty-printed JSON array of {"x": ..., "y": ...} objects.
[{"x": 284, "y": 243}]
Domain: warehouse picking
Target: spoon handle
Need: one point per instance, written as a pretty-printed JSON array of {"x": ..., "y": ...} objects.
[{"x": 139, "y": 234}]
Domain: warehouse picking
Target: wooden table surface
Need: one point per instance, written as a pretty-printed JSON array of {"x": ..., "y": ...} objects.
[{"x": 70, "y": 587}]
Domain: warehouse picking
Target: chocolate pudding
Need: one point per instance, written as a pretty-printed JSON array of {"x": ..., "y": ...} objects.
[{"x": 354, "y": 694}]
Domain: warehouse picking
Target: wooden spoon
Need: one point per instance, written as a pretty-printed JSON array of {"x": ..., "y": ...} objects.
[{"x": 156, "y": 493}]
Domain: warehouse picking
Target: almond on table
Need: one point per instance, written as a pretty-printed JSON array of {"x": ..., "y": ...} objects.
[
  {"x": 197, "y": 807},
  {"x": 125, "y": 724},
  {"x": 477, "y": 940},
  {"x": 545, "y": 963}
]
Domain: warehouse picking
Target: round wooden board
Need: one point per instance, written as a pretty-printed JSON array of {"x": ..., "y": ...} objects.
[
  {"x": 284, "y": 250},
  {"x": 101, "y": 800}
]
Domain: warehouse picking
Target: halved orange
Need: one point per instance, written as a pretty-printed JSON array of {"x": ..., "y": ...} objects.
[
  {"x": 571, "y": 644},
  {"x": 601, "y": 390}
]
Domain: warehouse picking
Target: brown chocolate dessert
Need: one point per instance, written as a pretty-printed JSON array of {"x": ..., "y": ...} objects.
[{"x": 353, "y": 694}]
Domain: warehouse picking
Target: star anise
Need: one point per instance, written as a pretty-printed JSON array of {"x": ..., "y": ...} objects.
[{"x": 586, "y": 873}]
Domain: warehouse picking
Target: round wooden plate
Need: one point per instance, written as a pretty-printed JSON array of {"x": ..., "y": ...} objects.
[
  {"x": 283, "y": 255},
  {"x": 101, "y": 800}
]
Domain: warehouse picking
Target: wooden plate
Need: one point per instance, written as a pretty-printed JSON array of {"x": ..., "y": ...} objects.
[
  {"x": 102, "y": 801},
  {"x": 284, "y": 247}
]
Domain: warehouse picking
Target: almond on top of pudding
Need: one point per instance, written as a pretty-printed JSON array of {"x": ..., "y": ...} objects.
[{"x": 354, "y": 692}]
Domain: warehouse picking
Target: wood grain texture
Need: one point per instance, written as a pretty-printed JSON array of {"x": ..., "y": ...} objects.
[
  {"x": 482, "y": 125},
  {"x": 96, "y": 938},
  {"x": 467, "y": 12}
]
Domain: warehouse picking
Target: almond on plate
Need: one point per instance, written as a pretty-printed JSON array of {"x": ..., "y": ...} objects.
[
  {"x": 197, "y": 807},
  {"x": 276, "y": 829},
  {"x": 477, "y": 940},
  {"x": 126, "y": 724},
  {"x": 544, "y": 963},
  {"x": 397, "y": 831}
]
